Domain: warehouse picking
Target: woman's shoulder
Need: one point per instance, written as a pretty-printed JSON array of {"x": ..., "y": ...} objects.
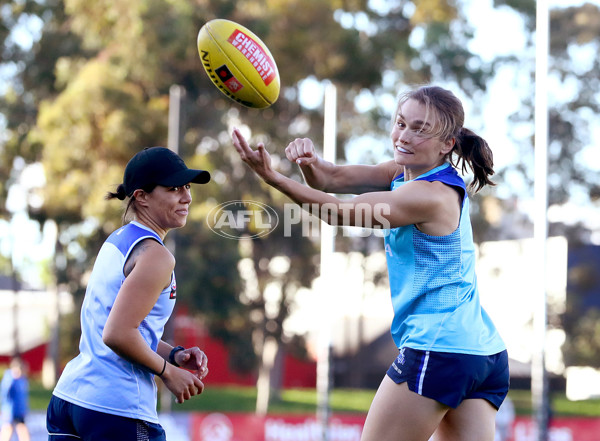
[{"x": 150, "y": 255}]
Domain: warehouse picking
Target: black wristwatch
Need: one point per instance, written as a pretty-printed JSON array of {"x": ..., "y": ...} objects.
[{"x": 172, "y": 355}]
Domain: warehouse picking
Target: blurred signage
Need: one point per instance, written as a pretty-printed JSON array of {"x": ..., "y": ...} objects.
[
  {"x": 561, "y": 429},
  {"x": 249, "y": 427},
  {"x": 184, "y": 426}
]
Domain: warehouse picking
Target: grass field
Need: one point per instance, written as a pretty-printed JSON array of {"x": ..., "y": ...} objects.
[{"x": 243, "y": 399}]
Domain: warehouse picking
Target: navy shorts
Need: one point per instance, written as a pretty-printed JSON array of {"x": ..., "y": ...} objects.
[
  {"x": 451, "y": 378},
  {"x": 68, "y": 422}
]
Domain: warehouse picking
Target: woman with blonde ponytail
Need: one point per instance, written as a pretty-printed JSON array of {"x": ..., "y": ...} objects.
[{"x": 451, "y": 373}]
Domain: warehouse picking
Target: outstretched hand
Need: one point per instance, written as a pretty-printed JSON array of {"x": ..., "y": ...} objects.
[{"x": 258, "y": 160}]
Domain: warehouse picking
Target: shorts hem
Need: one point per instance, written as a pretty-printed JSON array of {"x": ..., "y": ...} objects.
[{"x": 451, "y": 378}]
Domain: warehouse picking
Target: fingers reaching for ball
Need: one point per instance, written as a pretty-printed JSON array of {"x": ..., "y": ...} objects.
[{"x": 258, "y": 160}]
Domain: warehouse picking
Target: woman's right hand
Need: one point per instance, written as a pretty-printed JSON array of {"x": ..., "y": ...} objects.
[
  {"x": 301, "y": 151},
  {"x": 182, "y": 383},
  {"x": 258, "y": 160}
]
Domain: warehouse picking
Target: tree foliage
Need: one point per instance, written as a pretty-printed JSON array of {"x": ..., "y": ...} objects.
[
  {"x": 94, "y": 89},
  {"x": 572, "y": 178},
  {"x": 34, "y": 72}
]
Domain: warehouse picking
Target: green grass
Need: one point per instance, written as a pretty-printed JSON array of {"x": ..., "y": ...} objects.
[
  {"x": 560, "y": 405},
  {"x": 243, "y": 399},
  {"x": 38, "y": 396}
]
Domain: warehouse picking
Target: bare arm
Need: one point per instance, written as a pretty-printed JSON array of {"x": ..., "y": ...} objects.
[
  {"x": 345, "y": 179},
  {"x": 431, "y": 205},
  {"x": 149, "y": 274}
]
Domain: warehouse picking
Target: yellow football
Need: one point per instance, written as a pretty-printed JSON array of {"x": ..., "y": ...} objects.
[{"x": 238, "y": 63}]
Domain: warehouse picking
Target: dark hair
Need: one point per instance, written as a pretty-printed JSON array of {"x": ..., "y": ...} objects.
[
  {"x": 471, "y": 150},
  {"x": 122, "y": 195},
  {"x": 119, "y": 194}
]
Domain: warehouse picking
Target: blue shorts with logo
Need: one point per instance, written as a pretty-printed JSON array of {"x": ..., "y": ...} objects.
[
  {"x": 68, "y": 422},
  {"x": 450, "y": 378}
]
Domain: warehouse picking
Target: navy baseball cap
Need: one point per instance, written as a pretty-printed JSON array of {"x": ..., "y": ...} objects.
[{"x": 159, "y": 166}]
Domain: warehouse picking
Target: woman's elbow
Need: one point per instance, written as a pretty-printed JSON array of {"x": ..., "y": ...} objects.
[{"x": 112, "y": 338}]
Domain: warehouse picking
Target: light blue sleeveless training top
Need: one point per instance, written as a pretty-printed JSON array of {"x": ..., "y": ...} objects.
[
  {"x": 97, "y": 378},
  {"x": 434, "y": 286}
]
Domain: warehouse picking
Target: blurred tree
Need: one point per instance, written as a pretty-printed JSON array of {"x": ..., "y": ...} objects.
[
  {"x": 573, "y": 72},
  {"x": 573, "y": 175},
  {"x": 100, "y": 76},
  {"x": 28, "y": 73}
]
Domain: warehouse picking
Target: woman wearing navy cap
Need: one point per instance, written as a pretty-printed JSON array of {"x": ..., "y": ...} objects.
[
  {"x": 108, "y": 391},
  {"x": 451, "y": 373}
]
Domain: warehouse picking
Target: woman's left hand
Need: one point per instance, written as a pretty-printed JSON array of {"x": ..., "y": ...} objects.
[{"x": 193, "y": 359}]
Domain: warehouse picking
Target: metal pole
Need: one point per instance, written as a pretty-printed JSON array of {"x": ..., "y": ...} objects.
[
  {"x": 324, "y": 379},
  {"x": 176, "y": 94},
  {"x": 539, "y": 378}
]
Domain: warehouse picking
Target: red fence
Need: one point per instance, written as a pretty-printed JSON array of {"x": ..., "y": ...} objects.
[
  {"x": 561, "y": 429},
  {"x": 249, "y": 427},
  {"x": 343, "y": 427},
  {"x": 183, "y": 426}
]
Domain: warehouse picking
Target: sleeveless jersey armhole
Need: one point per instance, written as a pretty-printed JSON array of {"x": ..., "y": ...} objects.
[{"x": 130, "y": 253}]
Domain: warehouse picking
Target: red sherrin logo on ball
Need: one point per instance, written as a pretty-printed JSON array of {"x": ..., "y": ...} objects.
[
  {"x": 255, "y": 54},
  {"x": 228, "y": 79}
]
